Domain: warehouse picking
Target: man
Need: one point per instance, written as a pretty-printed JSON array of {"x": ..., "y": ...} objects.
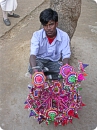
[
  {"x": 7, "y": 7},
  {"x": 48, "y": 45}
]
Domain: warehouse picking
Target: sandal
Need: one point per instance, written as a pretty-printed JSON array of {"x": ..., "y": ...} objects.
[
  {"x": 13, "y": 15},
  {"x": 7, "y": 22}
]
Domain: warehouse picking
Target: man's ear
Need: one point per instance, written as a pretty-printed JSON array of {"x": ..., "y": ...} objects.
[{"x": 56, "y": 24}]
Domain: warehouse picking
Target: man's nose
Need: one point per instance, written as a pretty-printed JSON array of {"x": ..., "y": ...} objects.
[{"x": 48, "y": 27}]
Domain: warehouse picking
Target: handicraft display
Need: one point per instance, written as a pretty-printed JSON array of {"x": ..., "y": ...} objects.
[{"x": 56, "y": 100}]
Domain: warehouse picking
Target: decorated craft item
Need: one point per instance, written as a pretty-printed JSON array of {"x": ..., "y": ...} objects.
[
  {"x": 65, "y": 70},
  {"x": 38, "y": 79},
  {"x": 56, "y": 101}
]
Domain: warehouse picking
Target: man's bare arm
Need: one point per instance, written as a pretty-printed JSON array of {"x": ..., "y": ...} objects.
[{"x": 32, "y": 61}]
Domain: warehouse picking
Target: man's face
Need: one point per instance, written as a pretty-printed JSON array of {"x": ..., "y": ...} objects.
[{"x": 50, "y": 28}]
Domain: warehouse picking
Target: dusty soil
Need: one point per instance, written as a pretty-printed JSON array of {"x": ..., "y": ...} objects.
[{"x": 14, "y": 57}]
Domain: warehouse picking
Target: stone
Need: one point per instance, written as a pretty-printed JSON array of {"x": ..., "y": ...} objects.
[{"x": 68, "y": 13}]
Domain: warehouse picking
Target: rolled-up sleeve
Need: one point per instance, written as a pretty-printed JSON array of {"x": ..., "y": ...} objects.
[
  {"x": 34, "y": 44},
  {"x": 66, "y": 53}
]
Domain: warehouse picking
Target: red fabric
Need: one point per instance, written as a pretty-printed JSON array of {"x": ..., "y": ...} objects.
[{"x": 50, "y": 39}]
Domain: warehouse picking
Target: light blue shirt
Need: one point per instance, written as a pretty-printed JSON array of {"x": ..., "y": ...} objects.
[{"x": 41, "y": 48}]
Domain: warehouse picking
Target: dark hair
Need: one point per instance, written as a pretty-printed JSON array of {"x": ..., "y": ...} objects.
[{"x": 47, "y": 15}]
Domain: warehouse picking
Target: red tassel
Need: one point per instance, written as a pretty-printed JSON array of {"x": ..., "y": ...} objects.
[
  {"x": 26, "y": 107},
  {"x": 70, "y": 120},
  {"x": 76, "y": 115},
  {"x": 82, "y": 104},
  {"x": 56, "y": 123}
]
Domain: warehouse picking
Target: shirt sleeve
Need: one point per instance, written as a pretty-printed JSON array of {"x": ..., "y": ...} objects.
[
  {"x": 34, "y": 44},
  {"x": 66, "y": 53}
]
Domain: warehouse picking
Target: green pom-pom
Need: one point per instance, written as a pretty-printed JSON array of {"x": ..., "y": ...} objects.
[
  {"x": 72, "y": 79},
  {"x": 60, "y": 76}
]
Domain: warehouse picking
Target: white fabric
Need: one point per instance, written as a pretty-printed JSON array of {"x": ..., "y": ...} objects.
[
  {"x": 8, "y": 5},
  {"x": 41, "y": 48}
]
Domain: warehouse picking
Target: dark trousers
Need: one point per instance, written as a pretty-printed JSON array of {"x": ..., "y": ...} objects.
[{"x": 53, "y": 66}]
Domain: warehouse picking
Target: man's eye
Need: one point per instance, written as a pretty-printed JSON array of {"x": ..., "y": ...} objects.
[{"x": 51, "y": 24}]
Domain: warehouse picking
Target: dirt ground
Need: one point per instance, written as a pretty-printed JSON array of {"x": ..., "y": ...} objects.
[{"x": 14, "y": 56}]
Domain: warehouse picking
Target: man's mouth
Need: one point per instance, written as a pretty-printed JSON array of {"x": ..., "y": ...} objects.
[{"x": 49, "y": 32}]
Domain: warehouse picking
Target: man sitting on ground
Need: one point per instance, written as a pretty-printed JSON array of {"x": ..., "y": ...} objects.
[{"x": 48, "y": 45}]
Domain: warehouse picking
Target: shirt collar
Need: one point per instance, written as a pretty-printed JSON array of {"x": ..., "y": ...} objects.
[
  {"x": 58, "y": 37},
  {"x": 44, "y": 34}
]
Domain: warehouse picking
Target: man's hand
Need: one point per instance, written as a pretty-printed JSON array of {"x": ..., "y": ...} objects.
[
  {"x": 35, "y": 70},
  {"x": 65, "y": 61}
]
